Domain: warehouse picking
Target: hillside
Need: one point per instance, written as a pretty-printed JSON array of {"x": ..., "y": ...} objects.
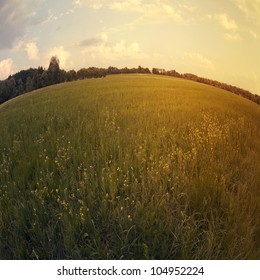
[{"x": 129, "y": 167}]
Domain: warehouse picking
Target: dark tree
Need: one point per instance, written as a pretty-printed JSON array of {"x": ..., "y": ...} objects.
[
  {"x": 54, "y": 70},
  {"x": 20, "y": 87},
  {"x": 29, "y": 84},
  {"x": 155, "y": 71},
  {"x": 71, "y": 75},
  {"x": 44, "y": 79},
  {"x": 113, "y": 70}
]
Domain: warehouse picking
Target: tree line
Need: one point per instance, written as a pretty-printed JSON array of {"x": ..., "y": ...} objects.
[
  {"x": 188, "y": 76},
  {"x": 35, "y": 78}
]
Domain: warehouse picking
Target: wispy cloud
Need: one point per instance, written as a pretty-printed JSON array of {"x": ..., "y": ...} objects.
[
  {"x": 127, "y": 5},
  {"x": 153, "y": 10},
  {"x": 50, "y": 17},
  {"x": 226, "y": 22},
  {"x": 76, "y": 2},
  {"x": 251, "y": 11},
  {"x": 251, "y": 8},
  {"x": 232, "y": 37},
  {"x": 253, "y": 34},
  {"x": 189, "y": 8},
  {"x": 200, "y": 60},
  {"x": 93, "y": 41},
  {"x": 90, "y": 42},
  {"x": 161, "y": 12},
  {"x": 15, "y": 17}
]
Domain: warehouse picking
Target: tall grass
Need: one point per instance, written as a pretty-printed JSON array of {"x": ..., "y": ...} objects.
[{"x": 129, "y": 167}]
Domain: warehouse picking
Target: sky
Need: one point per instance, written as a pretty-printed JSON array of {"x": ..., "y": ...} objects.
[{"x": 219, "y": 40}]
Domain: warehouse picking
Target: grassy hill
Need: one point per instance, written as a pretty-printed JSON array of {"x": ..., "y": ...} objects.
[{"x": 129, "y": 167}]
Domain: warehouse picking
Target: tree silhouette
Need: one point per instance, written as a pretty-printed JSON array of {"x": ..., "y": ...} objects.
[{"x": 54, "y": 70}]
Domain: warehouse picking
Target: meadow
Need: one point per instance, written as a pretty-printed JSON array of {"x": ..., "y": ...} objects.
[{"x": 130, "y": 167}]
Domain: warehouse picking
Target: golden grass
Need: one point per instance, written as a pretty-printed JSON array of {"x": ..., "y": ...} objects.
[{"x": 129, "y": 167}]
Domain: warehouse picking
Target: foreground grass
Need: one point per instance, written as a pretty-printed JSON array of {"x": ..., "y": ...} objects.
[{"x": 129, "y": 167}]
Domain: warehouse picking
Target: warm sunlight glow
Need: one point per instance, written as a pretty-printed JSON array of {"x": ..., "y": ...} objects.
[{"x": 214, "y": 39}]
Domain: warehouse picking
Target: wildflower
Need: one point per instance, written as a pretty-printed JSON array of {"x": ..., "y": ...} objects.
[{"x": 80, "y": 202}]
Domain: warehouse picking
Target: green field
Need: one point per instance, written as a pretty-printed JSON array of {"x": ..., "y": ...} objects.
[{"x": 130, "y": 167}]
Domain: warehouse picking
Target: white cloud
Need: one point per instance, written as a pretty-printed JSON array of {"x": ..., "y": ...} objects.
[
  {"x": 99, "y": 48},
  {"x": 232, "y": 37},
  {"x": 226, "y": 22},
  {"x": 30, "y": 47},
  {"x": 199, "y": 60},
  {"x": 107, "y": 52},
  {"x": 32, "y": 50},
  {"x": 62, "y": 54},
  {"x": 122, "y": 49},
  {"x": 7, "y": 67}
]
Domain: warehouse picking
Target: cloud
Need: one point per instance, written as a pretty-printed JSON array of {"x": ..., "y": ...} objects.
[
  {"x": 189, "y": 8},
  {"x": 253, "y": 34},
  {"x": 161, "y": 12},
  {"x": 232, "y": 37},
  {"x": 93, "y": 41},
  {"x": 199, "y": 60},
  {"x": 251, "y": 11},
  {"x": 99, "y": 48},
  {"x": 226, "y": 22},
  {"x": 121, "y": 49},
  {"x": 251, "y": 8},
  {"x": 7, "y": 67},
  {"x": 50, "y": 17},
  {"x": 95, "y": 4},
  {"x": 76, "y": 2},
  {"x": 153, "y": 10},
  {"x": 32, "y": 50},
  {"x": 130, "y": 5},
  {"x": 62, "y": 54},
  {"x": 30, "y": 47},
  {"x": 15, "y": 17},
  {"x": 107, "y": 52},
  {"x": 90, "y": 42}
]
